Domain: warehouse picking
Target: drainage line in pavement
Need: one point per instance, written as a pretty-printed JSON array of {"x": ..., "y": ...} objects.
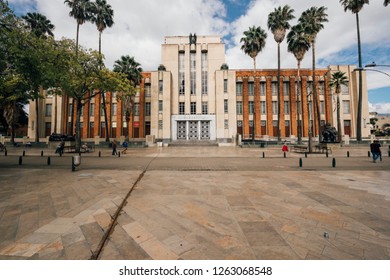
[{"x": 96, "y": 254}]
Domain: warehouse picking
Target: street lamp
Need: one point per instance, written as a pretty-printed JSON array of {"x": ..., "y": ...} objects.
[{"x": 373, "y": 64}]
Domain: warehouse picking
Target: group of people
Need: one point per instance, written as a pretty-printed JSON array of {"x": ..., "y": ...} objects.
[{"x": 115, "y": 145}]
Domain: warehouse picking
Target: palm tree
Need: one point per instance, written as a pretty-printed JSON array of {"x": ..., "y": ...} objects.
[
  {"x": 133, "y": 71},
  {"x": 386, "y": 3},
  {"x": 253, "y": 43},
  {"x": 298, "y": 43},
  {"x": 312, "y": 19},
  {"x": 39, "y": 24},
  {"x": 102, "y": 16},
  {"x": 81, "y": 12},
  {"x": 338, "y": 79},
  {"x": 355, "y": 7},
  {"x": 278, "y": 23}
]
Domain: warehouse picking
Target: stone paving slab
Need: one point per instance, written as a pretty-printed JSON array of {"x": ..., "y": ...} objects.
[{"x": 213, "y": 204}]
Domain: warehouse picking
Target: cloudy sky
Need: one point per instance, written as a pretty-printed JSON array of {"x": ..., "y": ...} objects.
[{"x": 140, "y": 27}]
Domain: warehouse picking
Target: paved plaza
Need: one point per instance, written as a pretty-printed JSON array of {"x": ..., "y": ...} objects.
[{"x": 195, "y": 203}]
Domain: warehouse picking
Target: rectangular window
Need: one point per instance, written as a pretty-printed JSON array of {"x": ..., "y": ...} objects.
[
  {"x": 181, "y": 108},
  {"x": 263, "y": 109},
  {"x": 274, "y": 87},
  {"x": 102, "y": 109},
  {"x": 160, "y": 106},
  {"x": 136, "y": 109},
  {"x": 309, "y": 87},
  {"x": 48, "y": 110},
  {"x": 322, "y": 107},
  {"x": 274, "y": 107},
  {"x": 239, "y": 108},
  {"x": 251, "y": 89},
  {"x": 147, "y": 109},
  {"x": 113, "y": 109},
  {"x": 286, "y": 107},
  {"x": 160, "y": 87},
  {"x": 193, "y": 73},
  {"x": 251, "y": 107},
  {"x": 225, "y": 106},
  {"x": 344, "y": 89},
  {"x": 70, "y": 109},
  {"x": 226, "y": 124},
  {"x": 225, "y": 86},
  {"x": 181, "y": 73},
  {"x": 346, "y": 107},
  {"x": 148, "y": 91},
  {"x": 205, "y": 108},
  {"x": 92, "y": 109},
  {"x": 321, "y": 88},
  {"x": 160, "y": 124},
  {"x": 286, "y": 88},
  {"x": 262, "y": 88},
  {"x": 205, "y": 69},
  {"x": 239, "y": 89},
  {"x": 193, "y": 108}
]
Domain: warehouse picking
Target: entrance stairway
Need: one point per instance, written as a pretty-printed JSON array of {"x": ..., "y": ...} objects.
[{"x": 189, "y": 143}]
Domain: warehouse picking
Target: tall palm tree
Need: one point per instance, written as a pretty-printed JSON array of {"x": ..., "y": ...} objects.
[
  {"x": 355, "y": 7},
  {"x": 312, "y": 19},
  {"x": 132, "y": 69},
  {"x": 102, "y": 15},
  {"x": 278, "y": 23},
  {"x": 298, "y": 43},
  {"x": 338, "y": 79},
  {"x": 253, "y": 43},
  {"x": 39, "y": 24},
  {"x": 81, "y": 12}
]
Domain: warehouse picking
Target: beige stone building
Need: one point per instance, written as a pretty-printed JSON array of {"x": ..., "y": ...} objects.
[{"x": 191, "y": 98}]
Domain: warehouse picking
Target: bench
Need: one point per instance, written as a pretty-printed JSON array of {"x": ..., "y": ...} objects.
[{"x": 299, "y": 148}]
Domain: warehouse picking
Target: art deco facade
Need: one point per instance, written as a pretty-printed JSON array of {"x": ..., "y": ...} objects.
[{"x": 190, "y": 98}]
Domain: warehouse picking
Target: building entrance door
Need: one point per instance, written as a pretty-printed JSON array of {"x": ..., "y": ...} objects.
[
  {"x": 181, "y": 130},
  {"x": 193, "y": 130},
  {"x": 205, "y": 132}
]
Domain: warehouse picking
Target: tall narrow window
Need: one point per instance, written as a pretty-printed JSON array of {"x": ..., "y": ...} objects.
[
  {"x": 136, "y": 109},
  {"x": 48, "y": 110},
  {"x": 251, "y": 107},
  {"x": 225, "y": 86},
  {"x": 160, "y": 106},
  {"x": 193, "y": 108},
  {"x": 286, "y": 88},
  {"x": 262, "y": 107},
  {"x": 262, "y": 88},
  {"x": 346, "y": 107},
  {"x": 344, "y": 89},
  {"x": 148, "y": 91},
  {"x": 181, "y": 108},
  {"x": 251, "y": 89},
  {"x": 181, "y": 73},
  {"x": 239, "y": 108},
  {"x": 321, "y": 88},
  {"x": 239, "y": 89},
  {"x": 205, "y": 108},
  {"x": 92, "y": 109},
  {"x": 322, "y": 107},
  {"x": 225, "y": 106},
  {"x": 274, "y": 107},
  {"x": 274, "y": 87},
  {"x": 193, "y": 73},
  {"x": 147, "y": 109},
  {"x": 113, "y": 109},
  {"x": 204, "y": 72},
  {"x": 286, "y": 107},
  {"x": 160, "y": 87}
]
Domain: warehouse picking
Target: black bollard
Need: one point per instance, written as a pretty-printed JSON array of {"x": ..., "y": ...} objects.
[
  {"x": 100, "y": 154},
  {"x": 41, "y": 153},
  {"x": 5, "y": 153},
  {"x": 20, "y": 160},
  {"x": 73, "y": 166},
  {"x": 334, "y": 162},
  {"x": 263, "y": 155},
  {"x": 368, "y": 154},
  {"x": 347, "y": 153},
  {"x": 24, "y": 153},
  {"x": 327, "y": 154},
  {"x": 305, "y": 154},
  {"x": 300, "y": 162},
  {"x": 284, "y": 154},
  {"x": 119, "y": 154},
  {"x": 48, "y": 161}
]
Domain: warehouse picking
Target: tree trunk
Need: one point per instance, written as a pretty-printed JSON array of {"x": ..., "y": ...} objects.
[
  {"x": 315, "y": 97},
  {"x": 279, "y": 112},
  {"x": 77, "y": 39},
  {"x": 100, "y": 42},
  {"x": 359, "y": 112},
  {"x": 338, "y": 118},
  {"x": 55, "y": 113},
  {"x": 37, "y": 120},
  {"x": 78, "y": 128},
  {"x": 105, "y": 115},
  {"x": 299, "y": 103}
]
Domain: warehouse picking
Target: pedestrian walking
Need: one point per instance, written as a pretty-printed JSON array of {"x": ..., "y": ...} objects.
[
  {"x": 285, "y": 147},
  {"x": 124, "y": 145},
  {"x": 375, "y": 148},
  {"x": 114, "y": 145}
]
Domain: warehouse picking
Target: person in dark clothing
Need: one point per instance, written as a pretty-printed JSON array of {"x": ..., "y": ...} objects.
[
  {"x": 376, "y": 150},
  {"x": 114, "y": 145}
]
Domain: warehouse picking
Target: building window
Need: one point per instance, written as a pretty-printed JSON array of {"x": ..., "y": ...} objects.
[
  {"x": 286, "y": 88},
  {"x": 48, "y": 110},
  {"x": 193, "y": 73},
  {"x": 321, "y": 88},
  {"x": 204, "y": 66},
  {"x": 205, "y": 108},
  {"x": 225, "y": 106},
  {"x": 344, "y": 89},
  {"x": 113, "y": 109},
  {"x": 102, "y": 109},
  {"x": 262, "y": 88},
  {"x": 226, "y": 124},
  {"x": 322, "y": 107},
  {"x": 193, "y": 108},
  {"x": 239, "y": 89},
  {"x": 225, "y": 86},
  {"x": 274, "y": 107},
  {"x": 263, "y": 108},
  {"x": 160, "y": 87},
  {"x": 92, "y": 109},
  {"x": 286, "y": 107},
  {"x": 181, "y": 73},
  {"x": 309, "y": 87},
  {"x": 251, "y": 107},
  {"x": 251, "y": 89},
  {"x": 70, "y": 109},
  {"x": 275, "y": 123},
  {"x": 147, "y": 109},
  {"x": 160, "y": 124},
  {"x": 148, "y": 91},
  {"x": 346, "y": 107},
  {"x": 239, "y": 108},
  {"x": 181, "y": 108},
  {"x": 136, "y": 109},
  {"x": 274, "y": 87},
  {"x": 160, "y": 106}
]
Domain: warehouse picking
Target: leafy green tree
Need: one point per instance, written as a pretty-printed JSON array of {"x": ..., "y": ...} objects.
[
  {"x": 298, "y": 43},
  {"x": 39, "y": 24},
  {"x": 253, "y": 43},
  {"x": 278, "y": 23},
  {"x": 355, "y": 6},
  {"x": 338, "y": 79},
  {"x": 312, "y": 19}
]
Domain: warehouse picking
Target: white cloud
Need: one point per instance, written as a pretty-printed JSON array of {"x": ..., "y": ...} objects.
[{"x": 381, "y": 108}]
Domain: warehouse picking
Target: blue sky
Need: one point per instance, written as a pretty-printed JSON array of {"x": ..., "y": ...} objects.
[{"x": 140, "y": 27}]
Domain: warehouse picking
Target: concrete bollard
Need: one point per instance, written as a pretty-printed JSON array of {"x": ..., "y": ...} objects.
[
  {"x": 76, "y": 161},
  {"x": 300, "y": 162},
  {"x": 334, "y": 162},
  {"x": 48, "y": 161},
  {"x": 20, "y": 160}
]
